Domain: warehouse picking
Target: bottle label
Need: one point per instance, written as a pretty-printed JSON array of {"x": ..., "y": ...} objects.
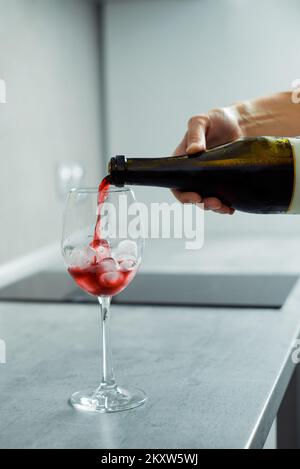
[{"x": 295, "y": 202}]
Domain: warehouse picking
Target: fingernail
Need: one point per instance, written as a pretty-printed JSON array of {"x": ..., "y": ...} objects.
[{"x": 194, "y": 147}]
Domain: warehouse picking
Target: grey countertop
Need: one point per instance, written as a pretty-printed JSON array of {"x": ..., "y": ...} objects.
[{"x": 215, "y": 377}]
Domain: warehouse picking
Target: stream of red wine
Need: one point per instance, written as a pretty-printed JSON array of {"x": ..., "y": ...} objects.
[
  {"x": 103, "y": 276},
  {"x": 102, "y": 193}
]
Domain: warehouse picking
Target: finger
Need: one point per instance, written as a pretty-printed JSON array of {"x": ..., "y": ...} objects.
[
  {"x": 224, "y": 210},
  {"x": 196, "y": 140},
  {"x": 181, "y": 149},
  {"x": 212, "y": 203},
  {"x": 187, "y": 197}
]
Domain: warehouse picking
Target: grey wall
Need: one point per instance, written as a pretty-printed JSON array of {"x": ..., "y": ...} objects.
[
  {"x": 49, "y": 58},
  {"x": 167, "y": 60}
]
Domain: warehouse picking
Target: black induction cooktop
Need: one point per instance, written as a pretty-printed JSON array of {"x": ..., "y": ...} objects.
[{"x": 217, "y": 290}]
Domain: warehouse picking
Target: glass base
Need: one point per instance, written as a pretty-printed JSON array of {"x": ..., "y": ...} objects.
[{"x": 114, "y": 399}]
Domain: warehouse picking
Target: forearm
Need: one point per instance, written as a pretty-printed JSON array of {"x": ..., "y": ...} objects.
[{"x": 274, "y": 115}]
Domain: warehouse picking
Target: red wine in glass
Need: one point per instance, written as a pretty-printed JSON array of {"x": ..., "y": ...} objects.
[{"x": 102, "y": 278}]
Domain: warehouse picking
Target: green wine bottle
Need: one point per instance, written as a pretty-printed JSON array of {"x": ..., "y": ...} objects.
[{"x": 256, "y": 175}]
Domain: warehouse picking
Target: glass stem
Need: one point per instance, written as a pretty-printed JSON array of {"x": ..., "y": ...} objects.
[{"x": 108, "y": 379}]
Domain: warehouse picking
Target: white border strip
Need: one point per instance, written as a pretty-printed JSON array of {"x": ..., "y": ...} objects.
[{"x": 295, "y": 202}]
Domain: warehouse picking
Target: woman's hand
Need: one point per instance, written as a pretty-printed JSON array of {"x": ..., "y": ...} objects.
[{"x": 206, "y": 131}]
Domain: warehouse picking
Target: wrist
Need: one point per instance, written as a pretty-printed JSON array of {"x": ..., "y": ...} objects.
[
  {"x": 246, "y": 118},
  {"x": 273, "y": 115}
]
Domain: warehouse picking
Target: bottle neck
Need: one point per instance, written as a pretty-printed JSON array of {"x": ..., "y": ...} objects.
[
  {"x": 158, "y": 172},
  {"x": 117, "y": 170}
]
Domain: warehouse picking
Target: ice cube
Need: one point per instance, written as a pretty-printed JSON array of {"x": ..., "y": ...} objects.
[
  {"x": 127, "y": 247},
  {"x": 111, "y": 279},
  {"x": 81, "y": 257},
  {"x": 102, "y": 248},
  {"x": 128, "y": 264},
  {"x": 108, "y": 264}
]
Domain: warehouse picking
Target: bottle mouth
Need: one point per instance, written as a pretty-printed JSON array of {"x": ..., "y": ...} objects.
[{"x": 116, "y": 170}]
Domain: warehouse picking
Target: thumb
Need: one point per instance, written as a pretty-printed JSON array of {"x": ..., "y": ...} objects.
[{"x": 196, "y": 134}]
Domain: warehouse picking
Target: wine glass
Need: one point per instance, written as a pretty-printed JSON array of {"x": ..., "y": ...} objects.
[{"x": 102, "y": 254}]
